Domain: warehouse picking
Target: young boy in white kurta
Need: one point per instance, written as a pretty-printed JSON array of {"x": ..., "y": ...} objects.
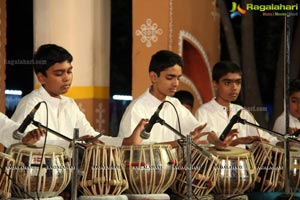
[
  {"x": 227, "y": 80},
  {"x": 55, "y": 73}
]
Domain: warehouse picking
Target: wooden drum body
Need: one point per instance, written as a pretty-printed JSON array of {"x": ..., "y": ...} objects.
[
  {"x": 236, "y": 171},
  {"x": 54, "y": 175},
  {"x": 102, "y": 171},
  {"x": 269, "y": 167},
  {"x": 149, "y": 168},
  {"x": 6, "y": 168},
  {"x": 203, "y": 175}
]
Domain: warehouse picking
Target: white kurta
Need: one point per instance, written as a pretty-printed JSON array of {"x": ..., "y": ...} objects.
[
  {"x": 144, "y": 107},
  {"x": 279, "y": 125},
  {"x": 217, "y": 118},
  {"x": 63, "y": 116},
  {"x": 7, "y": 127}
]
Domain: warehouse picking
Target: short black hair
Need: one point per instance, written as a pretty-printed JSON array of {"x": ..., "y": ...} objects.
[
  {"x": 185, "y": 97},
  {"x": 164, "y": 59},
  {"x": 49, "y": 54},
  {"x": 294, "y": 86},
  {"x": 224, "y": 67}
]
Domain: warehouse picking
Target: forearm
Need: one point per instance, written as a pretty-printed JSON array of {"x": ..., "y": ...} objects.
[
  {"x": 174, "y": 144},
  {"x": 131, "y": 141}
]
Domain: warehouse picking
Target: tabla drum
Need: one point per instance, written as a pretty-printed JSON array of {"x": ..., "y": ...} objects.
[
  {"x": 269, "y": 167},
  {"x": 49, "y": 180},
  {"x": 203, "y": 175},
  {"x": 6, "y": 168},
  {"x": 102, "y": 171},
  {"x": 236, "y": 170},
  {"x": 149, "y": 168},
  {"x": 148, "y": 197},
  {"x": 104, "y": 197},
  {"x": 49, "y": 198}
]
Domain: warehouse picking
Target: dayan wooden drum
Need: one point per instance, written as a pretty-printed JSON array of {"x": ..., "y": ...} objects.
[
  {"x": 269, "y": 167},
  {"x": 203, "y": 175},
  {"x": 236, "y": 170},
  {"x": 6, "y": 168},
  {"x": 49, "y": 181},
  {"x": 102, "y": 171},
  {"x": 149, "y": 168}
]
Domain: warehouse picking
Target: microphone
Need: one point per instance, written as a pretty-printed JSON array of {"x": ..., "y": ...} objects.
[
  {"x": 145, "y": 134},
  {"x": 18, "y": 134},
  {"x": 227, "y": 129},
  {"x": 296, "y": 133}
]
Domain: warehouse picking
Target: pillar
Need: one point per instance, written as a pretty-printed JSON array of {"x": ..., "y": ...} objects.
[{"x": 83, "y": 28}]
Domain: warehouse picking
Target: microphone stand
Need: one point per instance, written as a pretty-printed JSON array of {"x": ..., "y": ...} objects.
[
  {"x": 189, "y": 144},
  {"x": 74, "y": 156},
  {"x": 183, "y": 137},
  {"x": 286, "y": 138},
  {"x": 189, "y": 166},
  {"x": 75, "y": 164},
  {"x": 39, "y": 125}
]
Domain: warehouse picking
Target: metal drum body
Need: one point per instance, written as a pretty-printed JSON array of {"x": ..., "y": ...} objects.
[
  {"x": 269, "y": 167},
  {"x": 6, "y": 168},
  {"x": 54, "y": 175},
  {"x": 149, "y": 168},
  {"x": 236, "y": 172},
  {"x": 102, "y": 171},
  {"x": 203, "y": 177},
  {"x": 295, "y": 168}
]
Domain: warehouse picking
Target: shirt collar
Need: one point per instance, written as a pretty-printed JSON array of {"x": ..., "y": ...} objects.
[
  {"x": 153, "y": 98},
  {"x": 49, "y": 98},
  {"x": 219, "y": 106},
  {"x": 294, "y": 118}
]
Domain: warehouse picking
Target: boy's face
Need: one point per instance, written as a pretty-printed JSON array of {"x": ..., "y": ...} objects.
[
  {"x": 228, "y": 88},
  {"x": 166, "y": 84},
  {"x": 58, "y": 80},
  {"x": 295, "y": 104}
]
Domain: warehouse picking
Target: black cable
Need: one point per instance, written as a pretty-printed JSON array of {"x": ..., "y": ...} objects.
[
  {"x": 180, "y": 143},
  {"x": 179, "y": 127}
]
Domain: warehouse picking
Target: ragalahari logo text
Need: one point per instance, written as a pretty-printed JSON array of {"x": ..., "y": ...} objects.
[{"x": 236, "y": 10}]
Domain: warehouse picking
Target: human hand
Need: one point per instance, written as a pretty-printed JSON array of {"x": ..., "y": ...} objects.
[
  {"x": 135, "y": 138},
  {"x": 90, "y": 140},
  {"x": 249, "y": 140},
  {"x": 33, "y": 136},
  {"x": 2, "y": 148},
  {"x": 197, "y": 134},
  {"x": 229, "y": 139},
  {"x": 293, "y": 130}
]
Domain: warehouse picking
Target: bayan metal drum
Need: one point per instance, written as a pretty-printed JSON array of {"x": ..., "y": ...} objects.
[
  {"x": 102, "y": 171},
  {"x": 6, "y": 166},
  {"x": 295, "y": 168},
  {"x": 236, "y": 171},
  {"x": 49, "y": 180},
  {"x": 269, "y": 167},
  {"x": 149, "y": 168},
  {"x": 203, "y": 175}
]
